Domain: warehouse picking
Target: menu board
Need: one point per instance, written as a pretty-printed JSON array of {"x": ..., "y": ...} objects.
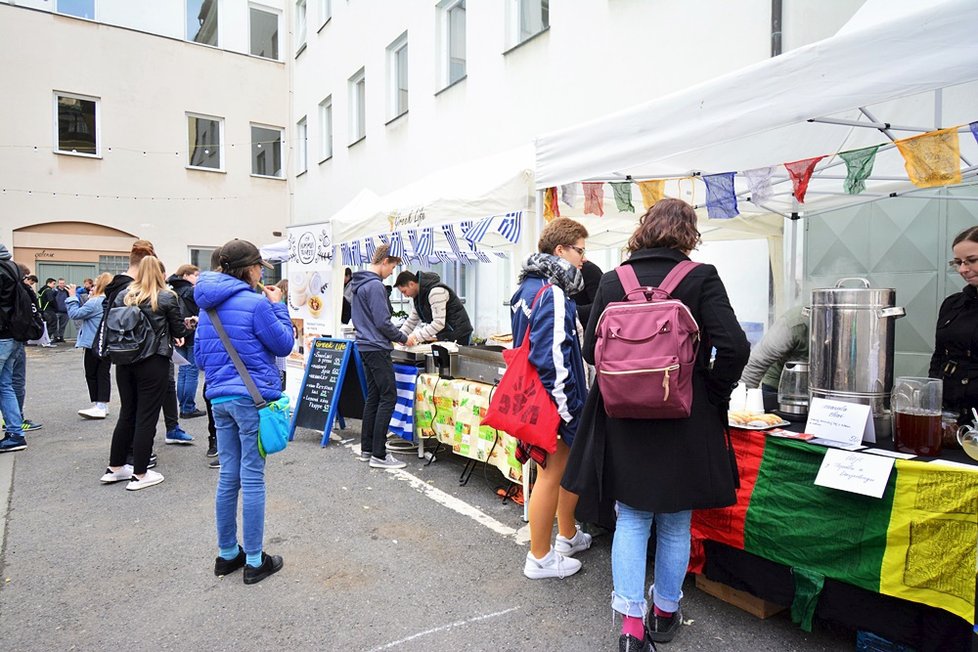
[{"x": 330, "y": 363}]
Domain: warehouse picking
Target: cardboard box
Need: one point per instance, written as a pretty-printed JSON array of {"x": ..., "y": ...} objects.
[{"x": 750, "y": 603}]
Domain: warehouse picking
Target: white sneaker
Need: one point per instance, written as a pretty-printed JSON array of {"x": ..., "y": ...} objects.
[
  {"x": 124, "y": 473},
  {"x": 570, "y": 547},
  {"x": 553, "y": 565},
  {"x": 151, "y": 478},
  {"x": 389, "y": 462},
  {"x": 93, "y": 413}
]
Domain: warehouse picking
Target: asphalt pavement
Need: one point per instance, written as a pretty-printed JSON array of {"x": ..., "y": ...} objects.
[{"x": 374, "y": 559}]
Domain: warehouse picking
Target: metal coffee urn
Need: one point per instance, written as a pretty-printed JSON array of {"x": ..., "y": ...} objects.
[{"x": 851, "y": 347}]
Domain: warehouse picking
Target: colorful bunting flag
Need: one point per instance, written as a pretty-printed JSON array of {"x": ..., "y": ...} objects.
[
  {"x": 721, "y": 200},
  {"x": 593, "y": 198},
  {"x": 801, "y": 173},
  {"x": 449, "y": 230},
  {"x": 356, "y": 258},
  {"x": 510, "y": 225},
  {"x": 859, "y": 163},
  {"x": 759, "y": 184},
  {"x": 568, "y": 194},
  {"x": 623, "y": 196},
  {"x": 345, "y": 253},
  {"x": 932, "y": 159},
  {"x": 974, "y": 129},
  {"x": 652, "y": 191},
  {"x": 369, "y": 249},
  {"x": 551, "y": 207}
]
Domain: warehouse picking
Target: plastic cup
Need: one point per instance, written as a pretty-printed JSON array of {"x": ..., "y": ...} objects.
[{"x": 755, "y": 401}]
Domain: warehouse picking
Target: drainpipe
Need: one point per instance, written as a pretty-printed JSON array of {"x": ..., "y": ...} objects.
[{"x": 776, "y": 6}]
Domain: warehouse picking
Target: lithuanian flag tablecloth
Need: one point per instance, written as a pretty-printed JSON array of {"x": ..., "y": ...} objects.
[{"x": 918, "y": 542}]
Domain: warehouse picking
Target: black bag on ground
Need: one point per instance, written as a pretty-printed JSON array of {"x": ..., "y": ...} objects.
[
  {"x": 23, "y": 320},
  {"x": 129, "y": 335}
]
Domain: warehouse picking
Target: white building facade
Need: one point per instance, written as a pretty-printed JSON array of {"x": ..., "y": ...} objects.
[{"x": 164, "y": 120}]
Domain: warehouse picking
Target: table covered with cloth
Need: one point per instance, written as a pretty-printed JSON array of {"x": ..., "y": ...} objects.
[
  {"x": 917, "y": 543},
  {"x": 451, "y": 410}
]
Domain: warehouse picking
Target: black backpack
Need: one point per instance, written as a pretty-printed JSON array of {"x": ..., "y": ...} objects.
[
  {"x": 129, "y": 335},
  {"x": 23, "y": 320}
]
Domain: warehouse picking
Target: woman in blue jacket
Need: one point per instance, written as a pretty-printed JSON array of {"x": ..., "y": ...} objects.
[
  {"x": 258, "y": 326},
  {"x": 550, "y": 277},
  {"x": 97, "y": 370}
]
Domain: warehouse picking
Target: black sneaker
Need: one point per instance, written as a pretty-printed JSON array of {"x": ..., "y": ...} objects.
[
  {"x": 269, "y": 564},
  {"x": 224, "y": 566},
  {"x": 215, "y": 463},
  {"x": 662, "y": 630},
  {"x": 628, "y": 643},
  {"x": 193, "y": 415},
  {"x": 212, "y": 451},
  {"x": 152, "y": 461}
]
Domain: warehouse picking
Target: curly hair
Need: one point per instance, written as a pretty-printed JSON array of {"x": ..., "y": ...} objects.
[
  {"x": 670, "y": 223},
  {"x": 561, "y": 231}
]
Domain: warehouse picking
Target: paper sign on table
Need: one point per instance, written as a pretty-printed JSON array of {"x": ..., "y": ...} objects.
[
  {"x": 854, "y": 472},
  {"x": 886, "y": 453},
  {"x": 851, "y": 423}
]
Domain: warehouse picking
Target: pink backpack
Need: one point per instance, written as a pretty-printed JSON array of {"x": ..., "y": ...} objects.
[{"x": 646, "y": 348}]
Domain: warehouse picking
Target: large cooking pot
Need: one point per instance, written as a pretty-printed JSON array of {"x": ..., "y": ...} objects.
[{"x": 851, "y": 347}]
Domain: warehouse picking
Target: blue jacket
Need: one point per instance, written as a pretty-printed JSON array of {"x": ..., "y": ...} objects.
[
  {"x": 90, "y": 315},
  {"x": 258, "y": 329},
  {"x": 372, "y": 314},
  {"x": 555, "y": 351}
]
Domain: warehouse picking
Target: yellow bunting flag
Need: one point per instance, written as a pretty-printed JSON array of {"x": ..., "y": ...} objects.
[
  {"x": 551, "y": 208},
  {"x": 652, "y": 191},
  {"x": 932, "y": 159}
]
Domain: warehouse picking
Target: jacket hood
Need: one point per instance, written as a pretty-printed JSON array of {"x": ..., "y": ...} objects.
[
  {"x": 178, "y": 282},
  {"x": 214, "y": 288},
  {"x": 427, "y": 279},
  {"x": 361, "y": 278},
  {"x": 4, "y": 253},
  {"x": 118, "y": 282}
]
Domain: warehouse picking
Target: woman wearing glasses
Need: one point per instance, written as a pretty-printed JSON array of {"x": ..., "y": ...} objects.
[{"x": 955, "y": 356}]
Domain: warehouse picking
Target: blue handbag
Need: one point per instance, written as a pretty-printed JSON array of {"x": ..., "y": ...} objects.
[{"x": 273, "y": 417}]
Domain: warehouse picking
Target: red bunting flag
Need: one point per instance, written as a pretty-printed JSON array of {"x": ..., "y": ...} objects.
[
  {"x": 801, "y": 173},
  {"x": 593, "y": 198}
]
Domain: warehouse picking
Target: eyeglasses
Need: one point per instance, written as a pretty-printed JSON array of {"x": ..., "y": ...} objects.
[
  {"x": 579, "y": 250},
  {"x": 970, "y": 261}
]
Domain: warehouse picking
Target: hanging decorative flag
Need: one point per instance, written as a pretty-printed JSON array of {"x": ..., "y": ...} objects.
[
  {"x": 974, "y": 129},
  {"x": 759, "y": 184},
  {"x": 593, "y": 198},
  {"x": 721, "y": 200},
  {"x": 652, "y": 191},
  {"x": 397, "y": 244},
  {"x": 356, "y": 257},
  {"x": 623, "y": 196},
  {"x": 551, "y": 207},
  {"x": 801, "y": 173},
  {"x": 369, "y": 249},
  {"x": 444, "y": 257},
  {"x": 478, "y": 231},
  {"x": 345, "y": 253},
  {"x": 510, "y": 225},
  {"x": 568, "y": 194},
  {"x": 859, "y": 163},
  {"x": 482, "y": 256},
  {"x": 449, "y": 230},
  {"x": 932, "y": 159},
  {"x": 501, "y": 254}
]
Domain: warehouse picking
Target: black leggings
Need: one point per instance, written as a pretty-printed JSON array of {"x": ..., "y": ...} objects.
[
  {"x": 142, "y": 387},
  {"x": 97, "y": 375}
]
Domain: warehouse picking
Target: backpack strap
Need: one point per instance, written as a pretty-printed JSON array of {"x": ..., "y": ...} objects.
[
  {"x": 627, "y": 278},
  {"x": 239, "y": 364},
  {"x": 676, "y": 275}
]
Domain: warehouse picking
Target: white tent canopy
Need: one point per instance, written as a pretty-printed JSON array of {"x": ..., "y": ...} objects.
[{"x": 915, "y": 72}]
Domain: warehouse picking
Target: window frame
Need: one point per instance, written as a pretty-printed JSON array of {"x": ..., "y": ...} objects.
[
  {"x": 394, "y": 50},
  {"x": 445, "y": 9},
  {"x": 186, "y": 17},
  {"x": 57, "y": 10},
  {"x": 358, "y": 106},
  {"x": 302, "y": 146},
  {"x": 326, "y": 129},
  {"x": 220, "y": 146},
  {"x": 98, "y": 124},
  {"x": 515, "y": 16},
  {"x": 252, "y": 6},
  {"x": 325, "y": 12},
  {"x": 301, "y": 25},
  {"x": 281, "y": 143}
]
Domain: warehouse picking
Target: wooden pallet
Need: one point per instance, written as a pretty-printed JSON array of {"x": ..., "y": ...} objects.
[{"x": 750, "y": 603}]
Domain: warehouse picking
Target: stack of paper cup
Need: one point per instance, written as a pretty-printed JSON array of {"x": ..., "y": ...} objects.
[
  {"x": 755, "y": 401},
  {"x": 738, "y": 398}
]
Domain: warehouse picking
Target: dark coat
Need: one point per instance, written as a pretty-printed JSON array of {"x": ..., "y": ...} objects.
[
  {"x": 664, "y": 465},
  {"x": 185, "y": 291},
  {"x": 955, "y": 356},
  {"x": 592, "y": 279},
  {"x": 167, "y": 319},
  {"x": 458, "y": 328}
]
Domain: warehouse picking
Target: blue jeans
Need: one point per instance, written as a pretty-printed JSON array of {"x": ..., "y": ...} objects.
[
  {"x": 629, "y": 553},
  {"x": 10, "y": 352},
  {"x": 242, "y": 468},
  {"x": 20, "y": 376},
  {"x": 187, "y": 377}
]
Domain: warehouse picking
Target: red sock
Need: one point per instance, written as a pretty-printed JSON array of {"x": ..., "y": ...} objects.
[
  {"x": 662, "y": 614},
  {"x": 633, "y": 627}
]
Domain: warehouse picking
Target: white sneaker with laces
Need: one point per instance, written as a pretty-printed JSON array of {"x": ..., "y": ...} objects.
[
  {"x": 93, "y": 412},
  {"x": 553, "y": 564},
  {"x": 151, "y": 478},
  {"x": 570, "y": 547},
  {"x": 389, "y": 462},
  {"x": 124, "y": 473}
]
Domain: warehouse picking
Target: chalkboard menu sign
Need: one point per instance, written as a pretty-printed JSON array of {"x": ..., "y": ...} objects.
[{"x": 331, "y": 362}]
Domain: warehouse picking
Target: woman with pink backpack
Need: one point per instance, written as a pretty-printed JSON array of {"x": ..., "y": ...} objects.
[{"x": 653, "y": 466}]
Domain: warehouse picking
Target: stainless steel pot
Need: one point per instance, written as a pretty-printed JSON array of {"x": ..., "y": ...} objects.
[{"x": 851, "y": 346}]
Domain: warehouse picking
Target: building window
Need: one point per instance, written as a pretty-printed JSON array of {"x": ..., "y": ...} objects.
[
  {"x": 325, "y": 11},
  {"x": 301, "y": 146},
  {"x": 326, "y": 128},
  {"x": 264, "y": 33},
  {"x": 199, "y": 257},
  {"x": 358, "y": 106},
  {"x": 205, "y": 138},
  {"x": 77, "y": 126},
  {"x": 397, "y": 75},
  {"x": 114, "y": 264},
  {"x": 79, "y": 8},
  {"x": 527, "y": 19},
  {"x": 202, "y": 21},
  {"x": 300, "y": 24},
  {"x": 451, "y": 30},
  {"x": 266, "y": 151}
]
